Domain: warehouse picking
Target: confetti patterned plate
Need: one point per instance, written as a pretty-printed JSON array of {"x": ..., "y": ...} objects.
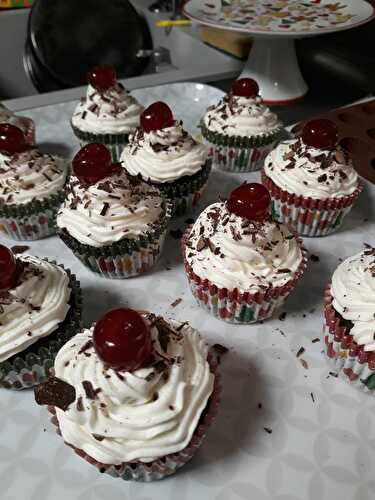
[
  {"x": 281, "y": 17},
  {"x": 286, "y": 430}
]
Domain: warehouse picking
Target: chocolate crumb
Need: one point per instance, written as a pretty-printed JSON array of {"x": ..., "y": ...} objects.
[
  {"x": 268, "y": 430},
  {"x": 17, "y": 249},
  {"x": 304, "y": 363},
  {"x": 90, "y": 392},
  {"x": 260, "y": 406},
  {"x": 301, "y": 350},
  {"x": 282, "y": 316},
  {"x": 314, "y": 258},
  {"x": 333, "y": 374},
  {"x": 312, "y": 397},
  {"x": 104, "y": 209},
  {"x": 55, "y": 392},
  {"x": 171, "y": 407},
  {"x": 317, "y": 339},
  {"x": 176, "y": 302},
  {"x": 98, "y": 437}
]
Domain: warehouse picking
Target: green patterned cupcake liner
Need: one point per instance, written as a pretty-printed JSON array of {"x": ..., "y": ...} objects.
[
  {"x": 33, "y": 365},
  {"x": 239, "y": 154},
  {"x": 31, "y": 221},
  {"x": 114, "y": 142},
  {"x": 125, "y": 258},
  {"x": 185, "y": 193}
]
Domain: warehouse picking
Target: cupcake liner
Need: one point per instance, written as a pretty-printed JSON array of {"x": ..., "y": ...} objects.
[
  {"x": 169, "y": 464},
  {"x": 308, "y": 216},
  {"x": 114, "y": 142},
  {"x": 239, "y": 154},
  {"x": 125, "y": 258},
  {"x": 33, "y": 365},
  {"x": 31, "y": 221},
  {"x": 234, "y": 306},
  {"x": 344, "y": 355},
  {"x": 185, "y": 193}
]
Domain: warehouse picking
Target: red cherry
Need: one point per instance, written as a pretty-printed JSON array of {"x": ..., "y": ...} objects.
[
  {"x": 102, "y": 77},
  {"x": 8, "y": 269},
  {"x": 93, "y": 163},
  {"x": 320, "y": 134},
  {"x": 251, "y": 201},
  {"x": 245, "y": 87},
  {"x": 12, "y": 139},
  {"x": 122, "y": 340},
  {"x": 157, "y": 116}
]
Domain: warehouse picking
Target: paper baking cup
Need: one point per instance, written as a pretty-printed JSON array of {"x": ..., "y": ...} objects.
[
  {"x": 114, "y": 142},
  {"x": 239, "y": 154},
  {"x": 308, "y": 216},
  {"x": 123, "y": 259},
  {"x": 234, "y": 306},
  {"x": 164, "y": 466},
  {"x": 34, "y": 364},
  {"x": 30, "y": 221},
  {"x": 345, "y": 356},
  {"x": 184, "y": 194}
]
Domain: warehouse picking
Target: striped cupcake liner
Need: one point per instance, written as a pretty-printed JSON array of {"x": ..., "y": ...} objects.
[
  {"x": 114, "y": 142},
  {"x": 239, "y": 160},
  {"x": 125, "y": 259},
  {"x": 164, "y": 466},
  {"x": 344, "y": 355},
  {"x": 308, "y": 216},
  {"x": 34, "y": 365},
  {"x": 234, "y": 306}
]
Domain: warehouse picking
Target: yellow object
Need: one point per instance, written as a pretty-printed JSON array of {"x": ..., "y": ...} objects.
[
  {"x": 237, "y": 44},
  {"x": 167, "y": 23}
]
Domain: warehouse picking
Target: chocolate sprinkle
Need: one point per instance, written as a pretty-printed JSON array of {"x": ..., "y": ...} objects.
[
  {"x": 55, "y": 392},
  {"x": 90, "y": 392}
]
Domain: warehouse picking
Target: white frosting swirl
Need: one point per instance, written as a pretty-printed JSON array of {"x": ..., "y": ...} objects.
[
  {"x": 30, "y": 175},
  {"x": 110, "y": 210},
  {"x": 163, "y": 155},
  {"x": 353, "y": 292},
  {"x": 35, "y": 307},
  {"x": 143, "y": 415},
  {"x": 232, "y": 252},
  {"x": 310, "y": 172},
  {"x": 7, "y": 116},
  {"x": 113, "y": 111},
  {"x": 242, "y": 116}
]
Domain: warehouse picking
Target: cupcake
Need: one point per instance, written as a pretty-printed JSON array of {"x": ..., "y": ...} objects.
[
  {"x": 134, "y": 395},
  {"x": 240, "y": 129},
  {"x": 108, "y": 113},
  {"x": 241, "y": 265},
  {"x": 164, "y": 155},
  {"x": 349, "y": 308},
  {"x": 22, "y": 122},
  {"x": 115, "y": 224},
  {"x": 31, "y": 187},
  {"x": 40, "y": 309},
  {"x": 312, "y": 180}
]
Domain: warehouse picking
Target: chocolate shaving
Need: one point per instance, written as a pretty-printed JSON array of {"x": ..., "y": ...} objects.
[
  {"x": 104, "y": 209},
  {"x": 301, "y": 350},
  {"x": 268, "y": 430},
  {"x": 90, "y": 392},
  {"x": 202, "y": 244},
  {"x": 86, "y": 346},
  {"x": 55, "y": 392},
  {"x": 176, "y": 302},
  {"x": 79, "y": 404},
  {"x": 17, "y": 249},
  {"x": 314, "y": 258}
]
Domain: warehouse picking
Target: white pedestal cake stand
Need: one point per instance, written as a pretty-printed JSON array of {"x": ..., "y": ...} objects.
[{"x": 274, "y": 26}]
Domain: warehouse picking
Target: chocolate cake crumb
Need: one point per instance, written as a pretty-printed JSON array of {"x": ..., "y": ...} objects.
[
  {"x": 268, "y": 430},
  {"x": 176, "y": 302},
  {"x": 55, "y": 392},
  {"x": 317, "y": 339},
  {"x": 18, "y": 249},
  {"x": 90, "y": 392},
  {"x": 301, "y": 350},
  {"x": 79, "y": 404}
]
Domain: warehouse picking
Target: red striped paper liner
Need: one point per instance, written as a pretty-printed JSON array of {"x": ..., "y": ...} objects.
[
  {"x": 234, "y": 306},
  {"x": 309, "y": 216},
  {"x": 163, "y": 466},
  {"x": 345, "y": 356}
]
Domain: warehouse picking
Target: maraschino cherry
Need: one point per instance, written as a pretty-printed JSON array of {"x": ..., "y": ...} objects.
[
  {"x": 156, "y": 117},
  {"x": 122, "y": 340},
  {"x": 8, "y": 269},
  {"x": 320, "y": 134},
  {"x": 93, "y": 163},
  {"x": 12, "y": 139},
  {"x": 245, "y": 87},
  {"x": 250, "y": 201},
  {"x": 102, "y": 77}
]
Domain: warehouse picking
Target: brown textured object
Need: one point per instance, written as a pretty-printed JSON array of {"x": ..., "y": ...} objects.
[
  {"x": 237, "y": 44},
  {"x": 356, "y": 126},
  {"x": 55, "y": 392}
]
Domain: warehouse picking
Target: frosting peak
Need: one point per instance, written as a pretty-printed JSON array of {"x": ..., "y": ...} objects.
[
  {"x": 113, "y": 111},
  {"x": 311, "y": 172},
  {"x": 242, "y": 116},
  {"x": 163, "y": 155},
  {"x": 233, "y": 252}
]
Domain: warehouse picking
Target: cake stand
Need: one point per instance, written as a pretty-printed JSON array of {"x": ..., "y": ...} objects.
[{"x": 274, "y": 26}]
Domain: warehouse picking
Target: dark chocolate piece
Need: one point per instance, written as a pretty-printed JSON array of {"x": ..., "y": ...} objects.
[{"x": 55, "y": 392}]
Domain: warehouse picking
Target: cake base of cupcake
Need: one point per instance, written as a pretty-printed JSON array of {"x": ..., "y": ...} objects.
[
  {"x": 169, "y": 464},
  {"x": 346, "y": 358},
  {"x": 307, "y": 216},
  {"x": 233, "y": 306},
  {"x": 32, "y": 221},
  {"x": 124, "y": 259},
  {"x": 115, "y": 143},
  {"x": 35, "y": 364}
]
